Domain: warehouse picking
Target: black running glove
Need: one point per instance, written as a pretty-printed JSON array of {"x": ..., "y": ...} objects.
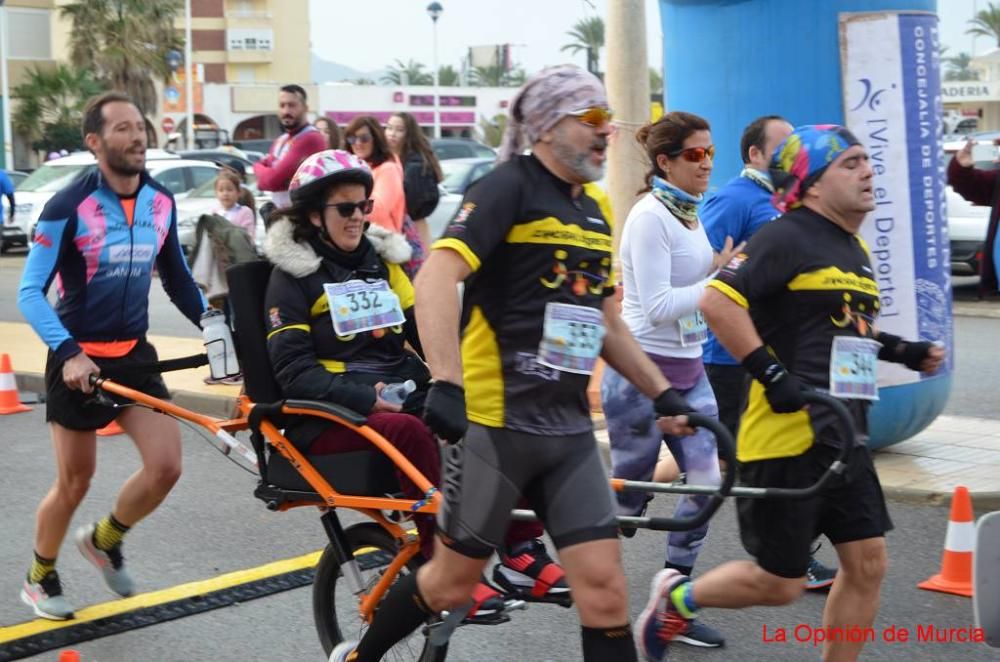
[
  {"x": 782, "y": 388},
  {"x": 896, "y": 350},
  {"x": 671, "y": 403},
  {"x": 444, "y": 411}
]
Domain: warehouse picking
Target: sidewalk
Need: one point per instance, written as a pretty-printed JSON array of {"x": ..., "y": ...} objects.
[{"x": 952, "y": 451}]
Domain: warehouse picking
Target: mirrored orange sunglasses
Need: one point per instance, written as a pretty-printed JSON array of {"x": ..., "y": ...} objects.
[
  {"x": 695, "y": 154},
  {"x": 594, "y": 116}
]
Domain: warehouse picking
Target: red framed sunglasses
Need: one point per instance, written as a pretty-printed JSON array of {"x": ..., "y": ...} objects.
[{"x": 695, "y": 154}]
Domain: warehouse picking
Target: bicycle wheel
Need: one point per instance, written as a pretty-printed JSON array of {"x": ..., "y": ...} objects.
[{"x": 336, "y": 612}]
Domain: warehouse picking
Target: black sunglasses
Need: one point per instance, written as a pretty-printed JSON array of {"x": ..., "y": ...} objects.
[
  {"x": 346, "y": 209},
  {"x": 363, "y": 138}
]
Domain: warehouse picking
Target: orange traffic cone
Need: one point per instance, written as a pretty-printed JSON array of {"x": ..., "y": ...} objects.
[
  {"x": 10, "y": 403},
  {"x": 956, "y": 564},
  {"x": 110, "y": 430},
  {"x": 69, "y": 656}
]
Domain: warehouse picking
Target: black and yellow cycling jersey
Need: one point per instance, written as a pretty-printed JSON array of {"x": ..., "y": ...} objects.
[
  {"x": 805, "y": 281},
  {"x": 529, "y": 242}
]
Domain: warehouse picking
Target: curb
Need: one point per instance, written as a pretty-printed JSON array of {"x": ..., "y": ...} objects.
[
  {"x": 981, "y": 501},
  {"x": 212, "y": 405},
  {"x": 975, "y": 310}
]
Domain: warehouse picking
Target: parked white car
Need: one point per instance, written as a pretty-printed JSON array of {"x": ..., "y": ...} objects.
[
  {"x": 967, "y": 225},
  {"x": 176, "y": 174}
]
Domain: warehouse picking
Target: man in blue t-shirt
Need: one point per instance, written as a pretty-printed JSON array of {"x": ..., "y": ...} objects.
[
  {"x": 6, "y": 188},
  {"x": 738, "y": 210}
]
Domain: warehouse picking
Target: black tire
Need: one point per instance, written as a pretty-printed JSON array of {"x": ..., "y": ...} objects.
[{"x": 337, "y": 616}]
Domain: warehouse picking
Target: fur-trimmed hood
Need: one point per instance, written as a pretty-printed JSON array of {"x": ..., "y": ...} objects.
[{"x": 299, "y": 259}]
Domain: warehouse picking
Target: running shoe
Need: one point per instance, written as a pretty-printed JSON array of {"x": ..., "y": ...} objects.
[
  {"x": 528, "y": 568},
  {"x": 46, "y": 599},
  {"x": 342, "y": 651},
  {"x": 819, "y": 576},
  {"x": 486, "y": 601},
  {"x": 698, "y": 634},
  {"x": 660, "y": 623},
  {"x": 111, "y": 563}
]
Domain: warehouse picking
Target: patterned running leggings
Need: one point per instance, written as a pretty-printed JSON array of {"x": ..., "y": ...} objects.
[{"x": 635, "y": 448}]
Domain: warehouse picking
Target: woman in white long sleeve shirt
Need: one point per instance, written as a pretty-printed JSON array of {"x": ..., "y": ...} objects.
[{"x": 666, "y": 260}]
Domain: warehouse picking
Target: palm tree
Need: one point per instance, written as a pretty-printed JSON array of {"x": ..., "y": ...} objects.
[
  {"x": 448, "y": 76},
  {"x": 411, "y": 73},
  {"x": 496, "y": 76},
  {"x": 125, "y": 43},
  {"x": 50, "y": 106},
  {"x": 493, "y": 130},
  {"x": 986, "y": 23},
  {"x": 958, "y": 68},
  {"x": 655, "y": 82},
  {"x": 588, "y": 36}
]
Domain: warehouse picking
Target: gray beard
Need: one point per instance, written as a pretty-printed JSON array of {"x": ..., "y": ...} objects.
[{"x": 577, "y": 162}]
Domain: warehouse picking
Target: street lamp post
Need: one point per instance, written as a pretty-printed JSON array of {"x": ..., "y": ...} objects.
[
  {"x": 188, "y": 77},
  {"x": 434, "y": 11},
  {"x": 8, "y": 139}
]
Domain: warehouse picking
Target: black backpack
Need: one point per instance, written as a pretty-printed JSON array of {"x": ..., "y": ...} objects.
[{"x": 420, "y": 186}]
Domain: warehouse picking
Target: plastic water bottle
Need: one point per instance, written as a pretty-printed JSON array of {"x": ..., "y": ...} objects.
[
  {"x": 219, "y": 344},
  {"x": 396, "y": 394}
]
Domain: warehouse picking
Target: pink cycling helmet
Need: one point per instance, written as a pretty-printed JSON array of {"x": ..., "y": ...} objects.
[{"x": 324, "y": 169}]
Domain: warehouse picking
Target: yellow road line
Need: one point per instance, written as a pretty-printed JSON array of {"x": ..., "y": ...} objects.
[{"x": 154, "y": 598}]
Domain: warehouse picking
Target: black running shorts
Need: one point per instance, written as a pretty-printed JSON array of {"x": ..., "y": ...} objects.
[
  {"x": 779, "y": 532},
  {"x": 77, "y": 410},
  {"x": 562, "y": 477}
]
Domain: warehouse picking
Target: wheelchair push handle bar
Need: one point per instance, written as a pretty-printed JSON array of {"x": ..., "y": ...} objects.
[
  {"x": 845, "y": 428},
  {"x": 727, "y": 450}
]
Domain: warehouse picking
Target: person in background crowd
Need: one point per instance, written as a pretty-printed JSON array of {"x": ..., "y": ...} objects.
[
  {"x": 980, "y": 187},
  {"x": 331, "y": 130},
  {"x": 366, "y": 140},
  {"x": 7, "y": 189},
  {"x": 290, "y": 149},
  {"x": 421, "y": 172}
]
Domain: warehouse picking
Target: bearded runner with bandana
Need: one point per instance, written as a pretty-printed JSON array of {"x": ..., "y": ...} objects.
[
  {"x": 799, "y": 308},
  {"x": 532, "y": 244}
]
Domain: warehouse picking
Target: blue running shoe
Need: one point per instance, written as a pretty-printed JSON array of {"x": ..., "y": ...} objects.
[
  {"x": 819, "y": 576},
  {"x": 698, "y": 634},
  {"x": 660, "y": 622}
]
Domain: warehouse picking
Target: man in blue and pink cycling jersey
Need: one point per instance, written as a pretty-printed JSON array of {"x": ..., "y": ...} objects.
[{"x": 99, "y": 239}]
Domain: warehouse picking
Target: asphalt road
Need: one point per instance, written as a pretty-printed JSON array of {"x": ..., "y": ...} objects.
[{"x": 211, "y": 524}]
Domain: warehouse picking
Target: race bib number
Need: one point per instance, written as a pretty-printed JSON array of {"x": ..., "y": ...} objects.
[
  {"x": 571, "y": 338},
  {"x": 854, "y": 368},
  {"x": 358, "y": 305},
  {"x": 693, "y": 329}
]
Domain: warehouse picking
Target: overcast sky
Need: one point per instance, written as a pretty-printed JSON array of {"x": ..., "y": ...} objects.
[{"x": 400, "y": 29}]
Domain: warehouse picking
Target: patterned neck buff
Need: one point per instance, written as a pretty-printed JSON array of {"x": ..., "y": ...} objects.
[
  {"x": 761, "y": 179},
  {"x": 681, "y": 204},
  {"x": 546, "y": 98},
  {"x": 803, "y": 157}
]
